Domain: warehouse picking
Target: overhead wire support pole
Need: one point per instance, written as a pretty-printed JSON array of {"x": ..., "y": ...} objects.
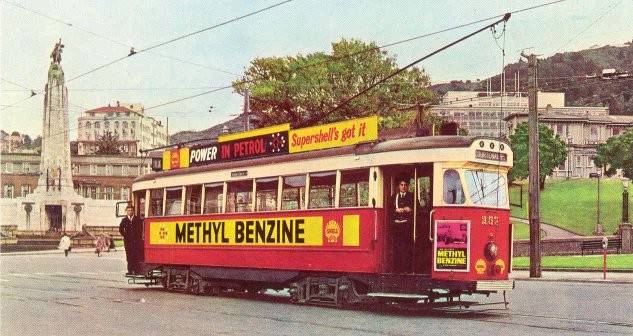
[
  {"x": 505, "y": 18},
  {"x": 533, "y": 164}
]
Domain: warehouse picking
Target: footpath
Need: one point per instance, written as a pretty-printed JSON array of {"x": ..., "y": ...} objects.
[
  {"x": 612, "y": 277},
  {"x": 518, "y": 275}
]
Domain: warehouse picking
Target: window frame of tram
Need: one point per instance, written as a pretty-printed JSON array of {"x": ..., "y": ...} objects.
[
  {"x": 266, "y": 193},
  {"x": 293, "y": 190},
  {"x": 193, "y": 199},
  {"x": 458, "y": 187},
  {"x": 354, "y": 188},
  {"x": 322, "y": 190},
  {"x": 239, "y": 196},
  {"x": 213, "y": 193},
  {"x": 156, "y": 202},
  {"x": 501, "y": 194},
  {"x": 173, "y": 201},
  {"x": 140, "y": 203}
]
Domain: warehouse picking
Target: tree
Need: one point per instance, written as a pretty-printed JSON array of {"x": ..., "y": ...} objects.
[
  {"x": 37, "y": 144},
  {"x": 303, "y": 90},
  {"x": 616, "y": 153},
  {"x": 552, "y": 152},
  {"x": 28, "y": 142},
  {"x": 108, "y": 144}
]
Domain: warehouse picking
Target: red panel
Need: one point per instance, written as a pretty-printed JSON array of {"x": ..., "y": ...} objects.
[
  {"x": 486, "y": 225},
  {"x": 331, "y": 256}
]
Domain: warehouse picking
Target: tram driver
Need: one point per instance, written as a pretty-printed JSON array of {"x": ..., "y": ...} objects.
[{"x": 402, "y": 227}]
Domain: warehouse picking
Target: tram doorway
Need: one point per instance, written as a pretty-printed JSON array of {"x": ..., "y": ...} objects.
[
  {"x": 54, "y": 217},
  {"x": 414, "y": 241}
]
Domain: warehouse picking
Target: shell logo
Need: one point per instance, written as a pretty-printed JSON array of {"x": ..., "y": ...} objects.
[
  {"x": 332, "y": 231},
  {"x": 501, "y": 265},
  {"x": 480, "y": 266}
]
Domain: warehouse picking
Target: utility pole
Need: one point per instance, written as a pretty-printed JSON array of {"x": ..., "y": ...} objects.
[
  {"x": 247, "y": 110},
  {"x": 534, "y": 179}
]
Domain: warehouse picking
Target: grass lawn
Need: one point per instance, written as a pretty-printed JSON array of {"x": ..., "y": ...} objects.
[
  {"x": 572, "y": 204},
  {"x": 614, "y": 261}
]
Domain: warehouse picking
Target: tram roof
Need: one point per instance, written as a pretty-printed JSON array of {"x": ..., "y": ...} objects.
[{"x": 379, "y": 146}]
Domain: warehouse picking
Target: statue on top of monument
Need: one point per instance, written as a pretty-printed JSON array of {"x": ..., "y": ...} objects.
[{"x": 56, "y": 55}]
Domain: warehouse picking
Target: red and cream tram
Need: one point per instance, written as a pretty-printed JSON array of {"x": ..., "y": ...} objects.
[{"x": 307, "y": 210}]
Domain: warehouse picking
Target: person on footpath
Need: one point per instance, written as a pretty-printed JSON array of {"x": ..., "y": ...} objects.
[
  {"x": 64, "y": 244},
  {"x": 131, "y": 228},
  {"x": 101, "y": 244}
]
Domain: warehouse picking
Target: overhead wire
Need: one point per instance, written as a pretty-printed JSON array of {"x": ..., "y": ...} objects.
[
  {"x": 362, "y": 52},
  {"x": 136, "y": 52},
  {"x": 350, "y": 55},
  {"x": 127, "y": 45},
  {"x": 612, "y": 6}
]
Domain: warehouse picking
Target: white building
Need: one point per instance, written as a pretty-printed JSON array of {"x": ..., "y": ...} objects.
[
  {"x": 483, "y": 113},
  {"x": 128, "y": 122}
]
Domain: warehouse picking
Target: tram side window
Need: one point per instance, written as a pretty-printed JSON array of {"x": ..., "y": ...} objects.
[
  {"x": 173, "y": 202},
  {"x": 239, "y": 196},
  {"x": 322, "y": 189},
  {"x": 354, "y": 188},
  {"x": 453, "y": 191},
  {"x": 293, "y": 192},
  {"x": 213, "y": 198},
  {"x": 139, "y": 196},
  {"x": 156, "y": 202},
  {"x": 424, "y": 191},
  {"x": 486, "y": 188},
  {"x": 266, "y": 194},
  {"x": 192, "y": 199}
]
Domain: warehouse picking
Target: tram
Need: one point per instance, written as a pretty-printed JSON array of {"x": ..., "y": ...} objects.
[{"x": 308, "y": 210}]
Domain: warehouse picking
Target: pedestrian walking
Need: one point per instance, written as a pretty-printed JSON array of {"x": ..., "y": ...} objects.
[
  {"x": 101, "y": 245},
  {"x": 64, "y": 244}
]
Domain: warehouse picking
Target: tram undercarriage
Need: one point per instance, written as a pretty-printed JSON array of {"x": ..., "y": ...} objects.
[{"x": 323, "y": 288}]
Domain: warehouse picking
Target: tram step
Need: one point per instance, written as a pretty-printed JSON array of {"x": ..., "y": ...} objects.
[{"x": 397, "y": 296}]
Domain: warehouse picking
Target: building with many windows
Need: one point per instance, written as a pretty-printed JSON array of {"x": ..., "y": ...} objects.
[
  {"x": 582, "y": 131},
  {"x": 483, "y": 113},
  {"x": 128, "y": 122},
  {"x": 94, "y": 177}
]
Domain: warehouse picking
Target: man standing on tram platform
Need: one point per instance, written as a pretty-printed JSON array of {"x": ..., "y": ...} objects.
[
  {"x": 131, "y": 228},
  {"x": 402, "y": 224}
]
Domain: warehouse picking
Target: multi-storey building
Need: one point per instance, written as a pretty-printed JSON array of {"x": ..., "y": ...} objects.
[
  {"x": 582, "y": 132},
  {"x": 482, "y": 113},
  {"x": 96, "y": 177},
  {"x": 128, "y": 122}
]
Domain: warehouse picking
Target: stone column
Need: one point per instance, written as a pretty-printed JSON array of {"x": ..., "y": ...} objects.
[
  {"x": 28, "y": 208},
  {"x": 77, "y": 207},
  {"x": 626, "y": 234}
]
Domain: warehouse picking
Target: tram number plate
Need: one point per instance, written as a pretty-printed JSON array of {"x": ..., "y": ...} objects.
[
  {"x": 490, "y": 220},
  {"x": 487, "y": 155}
]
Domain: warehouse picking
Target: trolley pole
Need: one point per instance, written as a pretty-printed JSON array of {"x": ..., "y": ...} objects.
[{"x": 534, "y": 177}]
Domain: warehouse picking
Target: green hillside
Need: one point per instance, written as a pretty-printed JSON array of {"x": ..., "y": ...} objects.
[
  {"x": 572, "y": 204},
  {"x": 565, "y": 72}
]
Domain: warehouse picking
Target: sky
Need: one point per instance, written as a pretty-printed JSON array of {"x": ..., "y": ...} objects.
[{"x": 96, "y": 33}]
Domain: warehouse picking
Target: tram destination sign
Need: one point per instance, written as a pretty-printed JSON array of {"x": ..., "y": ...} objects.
[{"x": 488, "y": 155}]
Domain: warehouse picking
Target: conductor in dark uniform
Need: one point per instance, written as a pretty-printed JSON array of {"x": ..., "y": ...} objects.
[
  {"x": 402, "y": 224},
  {"x": 131, "y": 228}
]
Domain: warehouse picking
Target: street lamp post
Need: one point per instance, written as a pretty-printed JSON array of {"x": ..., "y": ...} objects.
[{"x": 568, "y": 158}]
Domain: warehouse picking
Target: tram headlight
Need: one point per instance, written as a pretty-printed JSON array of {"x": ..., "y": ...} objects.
[{"x": 491, "y": 251}]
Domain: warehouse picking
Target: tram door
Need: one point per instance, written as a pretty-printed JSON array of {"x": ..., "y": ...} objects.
[{"x": 416, "y": 242}]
